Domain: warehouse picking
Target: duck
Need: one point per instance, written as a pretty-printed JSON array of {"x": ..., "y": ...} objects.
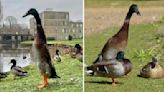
[
  {"x": 152, "y": 70},
  {"x": 113, "y": 69},
  {"x": 57, "y": 56},
  {"x": 3, "y": 75},
  {"x": 78, "y": 54},
  {"x": 119, "y": 41},
  {"x": 41, "y": 52},
  {"x": 17, "y": 70}
]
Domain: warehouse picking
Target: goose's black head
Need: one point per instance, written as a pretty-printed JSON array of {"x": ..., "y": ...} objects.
[
  {"x": 120, "y": 55},
  {"x": 32, "y": 11},
  {"x": 13, "y": 61},
  {"x": 134, "y": 9},
  {"x": 154, "y": 62}
]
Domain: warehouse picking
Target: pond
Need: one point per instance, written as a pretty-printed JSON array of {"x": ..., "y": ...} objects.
[{"x": 14, "y": 51}]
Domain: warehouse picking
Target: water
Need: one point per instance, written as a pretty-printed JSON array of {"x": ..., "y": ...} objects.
[{"x": 14, "y": 51}]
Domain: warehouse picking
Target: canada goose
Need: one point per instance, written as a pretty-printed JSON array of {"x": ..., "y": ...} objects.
[{"x": 41, "y": 52}]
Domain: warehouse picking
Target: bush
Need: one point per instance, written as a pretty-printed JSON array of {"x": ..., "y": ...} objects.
[{"x": 70, "y": 37}]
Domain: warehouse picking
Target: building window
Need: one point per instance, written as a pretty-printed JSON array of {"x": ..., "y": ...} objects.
[
  {"x": 80, "y": 31},
  {"x": 63, "y": 30},
  {"x": 77, "y": 25},
  {"x": 81, "y": 25},
  {"x": 67, "y": 16},
  {"x": 74, "y": 30}
]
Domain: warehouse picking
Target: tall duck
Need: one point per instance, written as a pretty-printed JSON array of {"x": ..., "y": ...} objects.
[
  {"x": 41, "y": 52},
  {"x": 119, "y": 41},
  {"x": 114, "y": 69}
]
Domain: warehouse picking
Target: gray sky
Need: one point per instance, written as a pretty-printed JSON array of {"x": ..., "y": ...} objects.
[{"x": 18, "y": 8}]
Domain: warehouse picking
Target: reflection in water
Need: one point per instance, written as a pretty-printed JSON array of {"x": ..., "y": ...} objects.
[{"x": 20, "y": 53}]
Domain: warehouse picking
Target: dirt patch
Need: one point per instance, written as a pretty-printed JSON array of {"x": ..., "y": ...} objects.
[{"x": 97, "y": 19}]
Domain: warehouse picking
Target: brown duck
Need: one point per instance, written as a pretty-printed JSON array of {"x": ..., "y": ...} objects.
[
  {"x": 119, "y": 41},
  {"x": 78, "y": 54},
  {"x": 41, "y": 52},
  {"x": 152, "y": 70}
]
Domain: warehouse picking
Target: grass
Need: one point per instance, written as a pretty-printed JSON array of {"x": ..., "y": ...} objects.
[
  {"x": 70, "y": 71},
  {"x": 142, "y": 45},
  {"x": 122, "y": 3},
  {"x": 72, "y": 42}
]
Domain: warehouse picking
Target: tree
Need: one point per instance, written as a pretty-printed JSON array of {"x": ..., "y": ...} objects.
[
  {"x": 10, "y": 21},
  {"x": 70, "y": 37},
  {"x": 1, "y": 14}
]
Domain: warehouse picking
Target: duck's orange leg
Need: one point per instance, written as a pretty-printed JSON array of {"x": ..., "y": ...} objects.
[
  {"x": 113, "y": 82},
  {"x": 45, "y": 82}
]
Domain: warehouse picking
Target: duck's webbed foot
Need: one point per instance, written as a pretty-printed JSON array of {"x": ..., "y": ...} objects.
[{"x": 45, "y": 82}]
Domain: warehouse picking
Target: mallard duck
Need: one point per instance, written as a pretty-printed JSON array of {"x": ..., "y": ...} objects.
[
  {"x": 78, "y": 54},
  {"x": 3, "y": 75},
  {"x": 57, "y": 56},
  {"x": 17, "y": 70},
  {"x": 152, "y": 70},
  {"x": 112, "y": 68},
  {"x": 41, "y": 53},
  {"x": 126, "y": 62},
  {"x": 119, "y": 41}
]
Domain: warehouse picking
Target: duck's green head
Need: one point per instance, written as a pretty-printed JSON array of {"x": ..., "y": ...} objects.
[
  {"x": 120, "y": 55},
  {"x": 31, "y": 11}
]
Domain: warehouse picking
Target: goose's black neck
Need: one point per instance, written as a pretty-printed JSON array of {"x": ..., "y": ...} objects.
[
  {"x": 128, "y": 16},
  {"x": 38, "y": 20}
]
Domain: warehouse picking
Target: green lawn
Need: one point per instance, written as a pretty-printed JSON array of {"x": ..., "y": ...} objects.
[
  {"x": 121, "y": 3},
  {"x": 145, "y": 41},
  {"x": 72, "y": 42},
  {"x": 70, "y": 71}
]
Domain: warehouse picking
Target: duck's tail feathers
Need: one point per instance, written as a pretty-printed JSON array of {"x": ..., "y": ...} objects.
[
  {"x": 90, "y": 70},
  {"x": 22, "y": 73},
  {"x": 139, "y": 75},
  {"x": 53, "y": 73}
]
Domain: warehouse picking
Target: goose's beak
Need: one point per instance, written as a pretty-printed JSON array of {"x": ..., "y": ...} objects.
[
  {"x": 25, "y": 15},
  {"x": 138, "y": 13}
]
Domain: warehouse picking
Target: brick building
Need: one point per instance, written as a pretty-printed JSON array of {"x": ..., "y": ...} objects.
[{"x": 57, "y": 26}]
